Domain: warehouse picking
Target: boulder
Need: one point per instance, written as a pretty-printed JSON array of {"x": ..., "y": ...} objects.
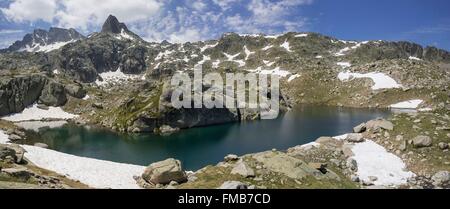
[
  {"x": 380, "y": 124},
  {"x": 97, "y": 105},
  {"x": 53, "y": 94},
  {"x": 325, "y": 140},
  {"x": 166, "y": 130},
  {"x": 14, "y": 137},
  {"x": 354, "y": 138},
  {"x": 20, "y": 172},
  {"x": 164, "y": 172},
  {"x": 422, "y": 141},
  {"x": 7, "y": 152},
  {"x": 231, "y": 158},
  {"x": 233, "y": 185},
  {"x": 75, "y": 90},
  {"x": 441, "y": 179},
  {"x": 443, "y": 145},
  {"x": 19, "y": 92},
  {"x": 241, "y": 168},
  {"x": 359, "y": 128}
]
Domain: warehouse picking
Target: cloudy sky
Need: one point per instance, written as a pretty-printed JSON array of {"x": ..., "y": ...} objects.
[{"x": 423, "y": 21}]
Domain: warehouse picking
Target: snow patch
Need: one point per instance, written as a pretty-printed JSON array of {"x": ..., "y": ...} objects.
[
  {"x": 45, "y": 48},
  {"x": 35, "y": 113},
  {"x": 86, "y": 97},
  {"x": 93, "y": 172},
  {"x": 319, "y": 57},
  {"x": 273, "y": 36},
  {"x": 248, "y": 53},
  {"x": 36, "y": 125},
  {"x": 268, "y": 63},
  {"x": 267, "y": 47},
  {"x": 292, "y": 77},
  {"x": 208, "y": 47},
  {"x": 341, "y": 137},
  {"x": 124, "y": 35},
  {"x": 344, "y": 64},
  {"x": 414, "y": 58},
  {"x": 3, "y": 138},
  {"x": 286, "y": 46},
  {"x": 114, "y": 77},
  {"x": 411, "y": 104},
  {"x": 216, "y": 64},
  {"x": 276, "y": 71},
  {"x": 374, "y": 160},
  {"x": 301, "y": 35},
  {"x": 381, "y": 80}
]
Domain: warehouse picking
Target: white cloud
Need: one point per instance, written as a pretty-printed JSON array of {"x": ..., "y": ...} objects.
[
  {"x": 156, "y": 20},
  {"x": 80, "y": 13},
  {"x": 226, "y": 4},
  {"x": 30, "y": 10}
]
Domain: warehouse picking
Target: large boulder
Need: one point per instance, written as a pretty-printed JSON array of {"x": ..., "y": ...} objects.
[
  {"x": 422, "y": 141},
  {"x": 355, "y": 138},
  {"x": 75, "y": 90},
  {"x": 380, "y": 124},
  {"x": 6, "y": 152},
  {"x": 53, "y": 94},
  {"x": 19, "y": 92},
  {"x": 359, "y": 128},
  {"x": 164, "y": 172},
  {"x": 241, "y": 168}
]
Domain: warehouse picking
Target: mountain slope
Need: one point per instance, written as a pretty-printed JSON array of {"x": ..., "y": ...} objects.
[{"x": 45, "y": 41}]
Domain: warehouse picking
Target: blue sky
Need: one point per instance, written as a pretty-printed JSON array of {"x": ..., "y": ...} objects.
[{"x": 421, "y": 21}]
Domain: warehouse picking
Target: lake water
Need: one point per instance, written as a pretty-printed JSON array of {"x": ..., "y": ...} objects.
[{"x": 199, "y": 147}]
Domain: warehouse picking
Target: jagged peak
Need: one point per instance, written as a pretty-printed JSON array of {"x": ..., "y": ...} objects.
[{"x": 112, "y": 25}]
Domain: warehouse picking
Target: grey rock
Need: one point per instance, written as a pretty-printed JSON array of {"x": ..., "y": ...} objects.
[
  {"x": 167, "y": 130},
  {"x": 241, "y": 168},
  {"x": 53, "y": 94},
  {"x": 19, "y": 92},
  {"x": 231, "y": 157},
  {"x": 441, "y": 179},
  {"x": 18, "y": 172},
  {"x": 164, "y": 172},
  {"x": 75, "y": 90},
  {"x": 360, "y": 128},
  {"x": 354, "y": 138},
  {"x": 380, "y": 124},
  {"x": 422, "y": 141},
  {"x": 233, "y": 185},
  {"x": 7, "y": 152},
  {"x": 14, "y": 137},
  {"x": 443, "y": 145}
]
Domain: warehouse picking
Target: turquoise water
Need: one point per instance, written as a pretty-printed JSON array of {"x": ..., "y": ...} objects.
[{"x": 199, "y": 147}]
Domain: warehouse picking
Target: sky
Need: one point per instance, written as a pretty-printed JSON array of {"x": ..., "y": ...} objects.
[{"x": 426, "y": 22}]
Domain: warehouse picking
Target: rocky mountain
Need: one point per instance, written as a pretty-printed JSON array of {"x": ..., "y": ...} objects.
[
  {"x": 126, "y": 75},
  {"x": 45, "y": 41}
]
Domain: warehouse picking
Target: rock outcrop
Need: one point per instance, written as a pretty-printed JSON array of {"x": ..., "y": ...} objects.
[
  {"x": 164, "y": 172},
  {"x": 19, "y": 92}
]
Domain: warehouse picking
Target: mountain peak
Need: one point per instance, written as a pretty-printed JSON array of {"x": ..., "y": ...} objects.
[{"x": 112, "y": 25}]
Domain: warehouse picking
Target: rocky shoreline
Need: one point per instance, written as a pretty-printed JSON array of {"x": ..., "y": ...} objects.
[{"x": 378, "y": 154}]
